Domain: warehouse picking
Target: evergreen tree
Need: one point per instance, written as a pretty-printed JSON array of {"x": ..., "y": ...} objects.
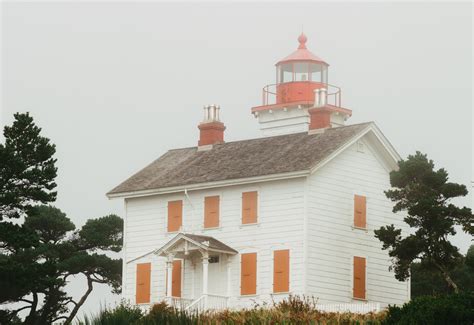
[
  {"x": 40, "y": 248},
  {"x": 425, "y": 194}
]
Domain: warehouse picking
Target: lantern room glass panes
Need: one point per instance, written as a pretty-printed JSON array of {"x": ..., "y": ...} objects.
[
  {"x": 302, "y": 71},
  {"x": 319, "y": 72},
  {"x": 285, "y": 73}
]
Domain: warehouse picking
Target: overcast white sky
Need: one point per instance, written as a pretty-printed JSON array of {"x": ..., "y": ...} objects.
[{"x": 116, "y": 84}]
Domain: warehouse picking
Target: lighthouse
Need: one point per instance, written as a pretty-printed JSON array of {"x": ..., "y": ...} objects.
[{"x": 301, "y": 99}]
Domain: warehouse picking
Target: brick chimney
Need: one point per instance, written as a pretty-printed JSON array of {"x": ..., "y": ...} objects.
[
  {"x": 319, "y": 114},
  {"x": 211, "y": 129},
  {"x": 322, "y": 115}
]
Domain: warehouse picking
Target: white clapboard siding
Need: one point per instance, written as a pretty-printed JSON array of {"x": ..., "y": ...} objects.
[
  {"x": 332, "y": 241},
  {"x": 312, "y": 217},
  {"x": 280, "y": 225}
]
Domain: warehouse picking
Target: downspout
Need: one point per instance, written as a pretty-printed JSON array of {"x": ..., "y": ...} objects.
[{"x": 190, "y": 203}]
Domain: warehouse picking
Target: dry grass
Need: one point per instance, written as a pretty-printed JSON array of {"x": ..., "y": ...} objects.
[{"x": 293, "y": 310}]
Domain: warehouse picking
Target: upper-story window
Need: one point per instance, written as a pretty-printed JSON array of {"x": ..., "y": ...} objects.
[
  {"x": 211, "y": 211},
  {"x": 360, "y": 211},
  {"x": 249, "y": 207},
  {"x": 175, "y": 215}
]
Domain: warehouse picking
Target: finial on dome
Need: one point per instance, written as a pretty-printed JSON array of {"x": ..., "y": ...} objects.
[{"x": 302, "y": 39}]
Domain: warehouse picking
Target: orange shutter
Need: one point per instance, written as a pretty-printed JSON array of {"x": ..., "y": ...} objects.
[
  {"x": 143, "y": 283},
  {"x": 360, "y": 209},
  {"x": 175, "y": 215},
  {"x": 248, "y": 274},
  {"x": 281, "y": 271},
  {"x": 359, "y": 277},
  {"x": 176, "y": 280},
  {"x": 249, "y": 207},
  {"x": 211, "y": 211}
]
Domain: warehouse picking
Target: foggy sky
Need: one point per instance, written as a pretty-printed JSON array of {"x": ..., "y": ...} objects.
[{"x": 116, "y": 84}]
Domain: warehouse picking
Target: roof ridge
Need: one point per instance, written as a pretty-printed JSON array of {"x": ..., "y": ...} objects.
[{"x": 276, "y": 136}]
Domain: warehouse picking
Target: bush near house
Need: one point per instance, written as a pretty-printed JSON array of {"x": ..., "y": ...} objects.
[{"x": 430, "y": 310}]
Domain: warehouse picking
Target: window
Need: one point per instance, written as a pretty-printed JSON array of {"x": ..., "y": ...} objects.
[
  {"x": 211, "y": 212},
  {"x": 360, "y": 211},
  {"x": 249, "y": 207},
  {"x": 301, "y": 71},
  {"x": 286, "y": 72},
  {"x": 248, "y": 274},
  {"x": 175, "y": 215},
  {"x": 142, "y": 295},
  {"x": 359, "y": 278},
  {"x": 315, "y": 72},
  {"x": 213, "y": 259},
  {"x": 281, "y": 271}
]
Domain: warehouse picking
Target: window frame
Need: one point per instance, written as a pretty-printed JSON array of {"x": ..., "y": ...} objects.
[
  {"x": 289, "y": 270},
  {"x": 353, "y": 276},
  {"x": 219, "y": 221},
  {"x": 149, "y": 270},
  {"x": 256, "y": 273},
  {"x": 168, "y": 216},
  {"x": 257, "y": 208}
]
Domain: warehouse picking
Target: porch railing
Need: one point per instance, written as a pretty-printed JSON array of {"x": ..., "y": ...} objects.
[
  {"x": 216, "y": 302},
  {"x": 178, "y": 302},
  {"x": 208, "y": 302},
  {"x": 359, "y": 308}
]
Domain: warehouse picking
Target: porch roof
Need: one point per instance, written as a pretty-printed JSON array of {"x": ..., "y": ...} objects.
[{"x": 204, "y": 243}]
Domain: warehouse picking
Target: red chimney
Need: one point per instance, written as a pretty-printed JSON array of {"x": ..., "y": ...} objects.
[
  {"x": 322, "y": 115},
  {"x": 211, "y": 129}
]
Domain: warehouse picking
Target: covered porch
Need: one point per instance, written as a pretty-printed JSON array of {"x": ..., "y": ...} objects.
[{"x": 191, "y": 262}]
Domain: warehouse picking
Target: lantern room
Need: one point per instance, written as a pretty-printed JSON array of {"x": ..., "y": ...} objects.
[
  {"x": 301, "y": 97},
  {"x": 299, "y": 74}
]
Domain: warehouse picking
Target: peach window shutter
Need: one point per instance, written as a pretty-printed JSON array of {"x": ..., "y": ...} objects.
[
  {"x": 249, "y": 207},
  {"x": 143, "y": 283},
  {"x": 176, "y": 280},
  {"x": 360, "y": 211},
  {"x": 359, "y": 277},
  {"x": 175, "y": 215},
  {"x": 211, "y": 212},
  {"x": 281, "y": 271},
  {"x": 248, "y": 274}
]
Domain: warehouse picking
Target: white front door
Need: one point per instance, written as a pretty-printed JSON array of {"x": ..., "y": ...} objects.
[{"x": 217, "y": 276}]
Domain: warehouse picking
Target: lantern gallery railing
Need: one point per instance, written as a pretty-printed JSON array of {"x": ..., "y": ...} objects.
[{"x": 270, "y": 94}]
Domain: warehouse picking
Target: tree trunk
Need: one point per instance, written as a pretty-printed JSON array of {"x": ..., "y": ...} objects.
[
  {"x": 73, "y": 314},
  {"x": 31, "y": 318},
  {"x": 447, "y": 277}
]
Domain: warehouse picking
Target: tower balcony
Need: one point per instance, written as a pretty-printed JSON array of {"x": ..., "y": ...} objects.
[{"x": 293, "y": 94}]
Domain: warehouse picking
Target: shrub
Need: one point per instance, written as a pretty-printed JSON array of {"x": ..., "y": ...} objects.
[
  {"x": 122, "y": 314},
  {"x": 293, "y": 310},
  {"x": 447, "y": 309}
]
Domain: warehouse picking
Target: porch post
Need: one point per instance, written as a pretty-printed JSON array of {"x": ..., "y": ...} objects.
[
  {"x": 229, "y": 279},
  {"x": 205, "y": 271},
  {"x": 169, "y": 277}
]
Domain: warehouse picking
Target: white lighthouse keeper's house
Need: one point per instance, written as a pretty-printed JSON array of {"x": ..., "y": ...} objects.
[{"x": 226, "y": 224}]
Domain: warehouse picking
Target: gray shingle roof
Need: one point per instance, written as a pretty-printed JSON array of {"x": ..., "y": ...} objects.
[{"x": 239, "y": 159}]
